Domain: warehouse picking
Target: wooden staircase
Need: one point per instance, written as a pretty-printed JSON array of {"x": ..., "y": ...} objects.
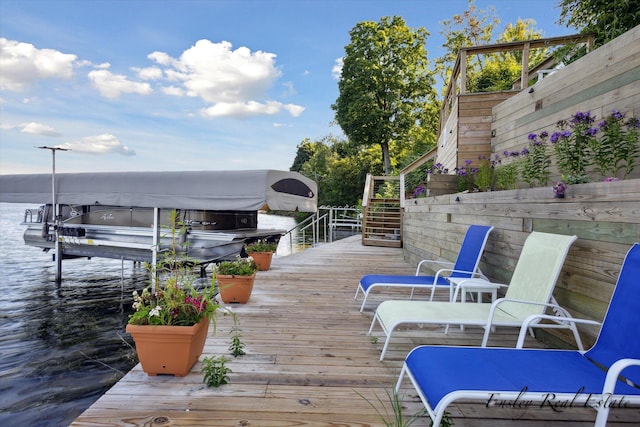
[{"x": 382, "y": 210}]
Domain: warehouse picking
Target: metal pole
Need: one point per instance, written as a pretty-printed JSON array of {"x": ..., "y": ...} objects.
[{"x": 57, "y": 247}]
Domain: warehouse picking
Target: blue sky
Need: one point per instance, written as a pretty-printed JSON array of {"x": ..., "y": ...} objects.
[{"x": 188, "y": 85}]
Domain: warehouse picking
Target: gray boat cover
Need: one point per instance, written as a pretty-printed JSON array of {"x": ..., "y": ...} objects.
[{"x": 247, "y": 190}]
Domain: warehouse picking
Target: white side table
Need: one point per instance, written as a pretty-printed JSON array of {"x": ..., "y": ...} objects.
[{"x": 476, "y": 285}]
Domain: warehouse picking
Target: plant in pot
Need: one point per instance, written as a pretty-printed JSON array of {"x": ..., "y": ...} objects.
[
  {"x": 262, "y": 252},
  {"x": 235, "y": 279},
  {"x": 171, "y": 319}
]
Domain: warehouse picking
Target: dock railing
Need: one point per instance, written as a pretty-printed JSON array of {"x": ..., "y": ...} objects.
[{"x": 329, "y": 223}]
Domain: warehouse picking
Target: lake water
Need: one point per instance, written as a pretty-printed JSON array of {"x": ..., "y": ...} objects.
[{"x": 62, "y": 347}]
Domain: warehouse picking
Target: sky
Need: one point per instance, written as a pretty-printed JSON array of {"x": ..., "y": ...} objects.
[{"x": 163, "y": 85}]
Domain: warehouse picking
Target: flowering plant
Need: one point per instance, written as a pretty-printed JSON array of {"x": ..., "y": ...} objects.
[
  {"x": 485, "y": 174},
  {"x": 536, "y": 160},
  {"x": 238, "y": 267},
  {"x": 261, "y": 246},
  {"x": 172, "y": 299},
  {"x": 419, "y": 191},
  {"x": 572, "y": 146},
  {"x": 559, "y": 188},
  {"x": 507, "y": 172},
  {"x": 437, "y": 168},
  {"x": 177, "y": 304},
  {"x": 616, "y": 151}
]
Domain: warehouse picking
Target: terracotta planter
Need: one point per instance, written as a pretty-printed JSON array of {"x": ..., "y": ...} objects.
[
  {"x": 169, "y": 349},
  {"x": 262, "y": 259},
  {"x": 235, "y": 288}
]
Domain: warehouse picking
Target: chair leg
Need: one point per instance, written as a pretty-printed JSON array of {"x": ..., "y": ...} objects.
[
  {"x": 364, "y": 301},
  {"x": 399, "y": 382},
  {"x": 385, "y": 346}
]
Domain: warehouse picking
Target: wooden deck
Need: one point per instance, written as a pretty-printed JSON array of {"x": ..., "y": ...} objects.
[{"x": 308, "y": 358}]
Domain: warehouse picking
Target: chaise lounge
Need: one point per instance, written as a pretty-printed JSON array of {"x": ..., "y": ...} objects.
[
  {"x": 602, "y": 377},
  {"x": 465, "y": 266},
  {"x": 529, "y": 293}
]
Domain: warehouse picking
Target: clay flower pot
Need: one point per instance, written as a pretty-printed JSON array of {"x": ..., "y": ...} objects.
[
  {"x": 262, "y": 259},
  {"x": 234, "y": 288},
  {"x": 169, "y": 349}
]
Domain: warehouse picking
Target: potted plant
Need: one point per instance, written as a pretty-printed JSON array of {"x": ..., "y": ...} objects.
[
  {"x": 171, "y": 318},
  {"x": 262, "y": 253},
  {"x": 235, "y": 279}
]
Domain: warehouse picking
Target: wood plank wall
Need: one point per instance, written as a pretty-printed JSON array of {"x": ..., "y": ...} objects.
[
  {"x": 474, "y": 124},
  {"x": 605, "y": 216},
  {"x": 607, "y": 78}
]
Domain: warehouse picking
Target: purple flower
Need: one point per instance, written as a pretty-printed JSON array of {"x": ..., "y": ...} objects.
[
  {"x": 559, "y": 188},
  {"x": 525, "y": 151},
  {"x": 617, "y": 114},
  {"x": 515, "y": 154},
  {"x": 419, "y": 190},
  {"x": 505, "y": 153},
  {"x": 532, "y": 136},
  {"x": 467, "y": 162},
  {"x": 554, "y": 137},
  {"x": 544, "y": 134},
  {"x": 633, "y": 123},
  {"x": 591, "y": 131}
]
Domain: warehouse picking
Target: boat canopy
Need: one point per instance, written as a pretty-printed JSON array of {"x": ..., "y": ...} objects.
[{"x": 246, "y": 190}]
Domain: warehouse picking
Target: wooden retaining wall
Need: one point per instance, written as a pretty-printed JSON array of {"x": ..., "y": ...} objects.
[
  {"x": 605, "y": 216},
  {"x": 607, "y": 78}
]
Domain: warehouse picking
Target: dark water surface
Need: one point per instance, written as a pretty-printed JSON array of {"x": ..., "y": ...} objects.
[{"x": 60, "y": 348}]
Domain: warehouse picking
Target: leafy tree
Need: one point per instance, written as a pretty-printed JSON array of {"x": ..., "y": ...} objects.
[
  {"x": 303, "y": 154},
  {"x": 607, "y": 19},
  {"x": 339, "y": 168},
  {"x": 473, "y": 27},
  {"x": 493, "y": 71},
  {"x": 385, "y": 86}
]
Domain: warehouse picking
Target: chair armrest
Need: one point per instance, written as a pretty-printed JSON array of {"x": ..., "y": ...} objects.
[
  {"x": 559, "y": 319},
  {"x": 430, "y": 261},
  {"x": 614, "y": 372}
]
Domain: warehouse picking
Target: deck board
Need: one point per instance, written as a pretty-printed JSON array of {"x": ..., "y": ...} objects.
[{"x": 308, "y": 357}]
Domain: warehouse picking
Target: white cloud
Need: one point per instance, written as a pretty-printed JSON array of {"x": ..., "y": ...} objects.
[
  {"x": 22, "y": 64},
  {"x": 149, "y": 73},
  {"x": 289, "y": 89},
  {"x": 250, "y": 108},
  {"x": 161, "y": 58},
  {"x": 99, "y": 144},
  {"x": 336, "y": 71},
  {"x": 34, "y": 128},
  {"x": 294, "y": 110},
  {"x": 172, "y": 90},
  {"x": 113, "y": 85},
  {"x": 235, "y": 82}
]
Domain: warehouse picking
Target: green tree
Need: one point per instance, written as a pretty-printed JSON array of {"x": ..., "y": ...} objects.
[
  {"x": 339, "y": 168},
  {"x": 385, "y": 86},
  {"x": 607, "y": 19},
  {"x": 473, "y": 27},
  {"x": 492, "y": 71},
  {"x": 303, "y": 154}
]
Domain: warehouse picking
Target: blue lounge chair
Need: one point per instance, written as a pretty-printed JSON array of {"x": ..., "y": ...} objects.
[
  {"x": 600, "y": 377},
  {"x": 466, "y": 265}
]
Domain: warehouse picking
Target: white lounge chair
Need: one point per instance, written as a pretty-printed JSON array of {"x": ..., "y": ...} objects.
[
  {"x": 529, "y": 293},
  {"x": 466, "y": 266},
  {"x": 600, "y": 377}
]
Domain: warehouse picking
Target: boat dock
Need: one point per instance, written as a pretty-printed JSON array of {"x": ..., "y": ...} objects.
[{"x": 310, "y": 361}]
